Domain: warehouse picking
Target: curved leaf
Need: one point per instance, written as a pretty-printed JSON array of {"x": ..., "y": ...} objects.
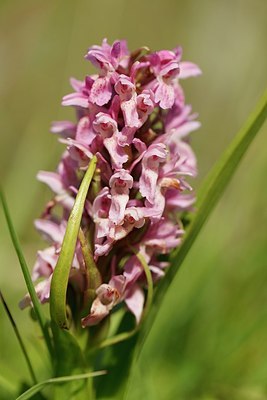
[
  {"x": 35, "y": 389},
  {"x": 61, "y": 273}
]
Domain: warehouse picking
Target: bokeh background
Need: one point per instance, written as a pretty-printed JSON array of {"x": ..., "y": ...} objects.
[{"x": 209, "y": 340}]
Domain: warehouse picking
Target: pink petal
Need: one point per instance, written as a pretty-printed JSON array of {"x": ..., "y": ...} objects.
[
  {"x": 98, "y": 312},
  {"x": 116, "y": 152},
  {"x": 76, "y": 84},
  {"x": 52, "y": 179},
  {"x": 63, "y": 128},
  {"x": 155, "y": 154},
  {"x": 45, "y": 263},
  {"x": 135, "y": 302},
  {"x": 121, "y": 183},
  {"x": 75, "y": 99},
  {"x": 50, "y": 230},
  {"x": 183, "y": 130},
  {"x": 101, "y": 91},
  {"x": 130, "y": 114},
  {"x": 188, "y": 69},
  {"x": 42, "y": 290},
  {"x": 84, "y": 132},
  {"x": 132, "y": 270},
  {"x": 164, "y": 95}
]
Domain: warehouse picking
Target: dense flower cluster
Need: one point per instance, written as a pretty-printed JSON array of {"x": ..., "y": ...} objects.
[{"x": 132, "y": 115}]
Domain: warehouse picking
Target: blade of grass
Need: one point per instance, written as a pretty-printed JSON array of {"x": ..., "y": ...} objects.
[
  {"x": 18, "y": 335},
  {"x": 60, "y": 278},
  {"x": 209, "y": 194},
  {"x": 27, "y": 277},
  {"x": 35, "y": 389}
]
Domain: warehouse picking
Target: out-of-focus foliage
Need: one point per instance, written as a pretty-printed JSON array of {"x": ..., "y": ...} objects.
[{"x": 209, "y": 340}]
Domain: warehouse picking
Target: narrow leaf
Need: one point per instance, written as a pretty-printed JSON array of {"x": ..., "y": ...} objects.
[
  {"x": 27, "y": 277},
  {"x": 18, "y": 335},
  {"x": 35, "y": 389},
  {"x": 61, "y": 273},
  {"x": 209, "y": 194}
]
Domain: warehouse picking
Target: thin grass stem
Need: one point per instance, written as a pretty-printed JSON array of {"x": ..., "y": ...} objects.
[
  {"x": 18, "y": 335},
  {"x": 27, "y": 277}
]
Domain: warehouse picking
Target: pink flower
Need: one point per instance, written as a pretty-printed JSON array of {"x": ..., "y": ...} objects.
[
  {"x": 132, "y": 115},
  {"x": 107, "y": 128},
  {"x": 121, "y": 183},
  {"x": 80, "y": 97},
  {"x": 165, "y": 65},
  {"x": 153, "y": 157},
  {"x": 107, "y": 59},
  {"x": 128, "y": 98},
  {"x": 108, "y": 295}
]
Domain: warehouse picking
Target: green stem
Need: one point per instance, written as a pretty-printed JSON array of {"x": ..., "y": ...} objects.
[
  {"x": 92, "y": 273},
  {"x": 60, "y": 278},
  {"x": 27, "y": 277},
  {"x": 121, "y": 337},
  {"x": 19, "y": 338}
]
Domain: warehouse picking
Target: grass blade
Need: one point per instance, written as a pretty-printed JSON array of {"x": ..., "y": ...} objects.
[
  {"x": 18, "y": 335},
  {"x": 210, "y": 192},
  {"x": 27, "y": 277},
  {"x": 35, "y": 389},
  {"x": 61, "y": 273}
]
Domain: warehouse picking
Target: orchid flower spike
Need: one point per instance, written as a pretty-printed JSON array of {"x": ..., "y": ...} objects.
[{"x": 131, "y": 114}]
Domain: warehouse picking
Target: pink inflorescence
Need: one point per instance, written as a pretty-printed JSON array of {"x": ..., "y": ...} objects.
[{"x": 132, "y": 115}]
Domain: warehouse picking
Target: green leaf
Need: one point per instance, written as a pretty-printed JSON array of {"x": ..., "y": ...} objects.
[
  {"x": 209, "y": 194},
  {"x": 68, "y": 354},
  {"x": 61, "y": 273},
  {"x": 27, "y": 277},
  {"x": 63, "y": 379}
]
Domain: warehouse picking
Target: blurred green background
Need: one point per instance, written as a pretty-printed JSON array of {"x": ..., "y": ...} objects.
[{"x": 210, "y": 338}]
